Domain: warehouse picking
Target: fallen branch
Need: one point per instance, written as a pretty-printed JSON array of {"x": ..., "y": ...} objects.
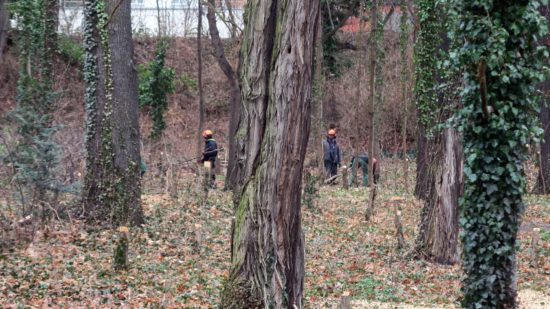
[{"x": 331, "y": 179}]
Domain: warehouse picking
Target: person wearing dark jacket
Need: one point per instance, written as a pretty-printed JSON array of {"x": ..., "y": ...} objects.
[
  {"x": 331, "y": 155},
  {"x": 210, "y": 154},
  {"x": 362, "y": 160}
]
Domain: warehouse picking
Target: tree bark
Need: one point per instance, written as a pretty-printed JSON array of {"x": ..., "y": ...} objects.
[
  {"x": 112, "y": 185},
  {"x": 423, "y": 146},
  {"x": 51, "y": 10},
  {"x": 438, "y": 232},
  {"x": 4, "y": 25},
  {"x": 199, "y": 73},
  {"x": 543, "y": 179},
  {"x": 267, "y": 241},
  {"x": 404, "y": 40},
  {"x": 235, "y": 95},
  {"x": 372, "y": 84},
  {"x": 234, "y": 28},
  {"x": 319, "y": 125}
]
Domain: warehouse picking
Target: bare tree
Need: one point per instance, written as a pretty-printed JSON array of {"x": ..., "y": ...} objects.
[
  {"x": 267, "y": 240},
  {"x": 235, "y": 95},
  {"x": 200, "y": 86}
]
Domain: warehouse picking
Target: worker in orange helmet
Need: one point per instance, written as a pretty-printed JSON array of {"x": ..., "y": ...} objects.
[
  {"x": 210, "y": 154},
  {"x": 331, "y": 152}
]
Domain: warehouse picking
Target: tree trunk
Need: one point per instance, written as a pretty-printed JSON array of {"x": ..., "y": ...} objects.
[
  {"x": 403, "y": 43},
  {"x": 543, "y": 179},
  {"x": 4, "y": 26},
  {"x": 319, "y": 125},
  {"x": 112, "y": 185},
  {"x": 199, "y": 73},
  {"x": 51, "y": 10},
  {"x": 235, "y": 96},
  {"x": 267, "y": 240},
  {"x": 423, "y": 146},
  {"x": 372, "y": 84},
  {"x": 438, "y": 233},
  {"x": 234, "y": 28}
]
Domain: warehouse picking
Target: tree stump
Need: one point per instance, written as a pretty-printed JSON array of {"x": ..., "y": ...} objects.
[
  {"x": 345, "y": 183},
  {"x": 345, "y": 303},
  {"x": 120, "y": 258},
  {"x": 534, "y": 250},
  {"x": 398, "y": 225}
]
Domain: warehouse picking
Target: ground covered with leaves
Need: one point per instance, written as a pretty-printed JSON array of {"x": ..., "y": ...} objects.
[{"x": 181, "y": 257}]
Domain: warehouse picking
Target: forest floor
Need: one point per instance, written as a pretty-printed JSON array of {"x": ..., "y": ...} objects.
[{"x": 181, "y": 257}]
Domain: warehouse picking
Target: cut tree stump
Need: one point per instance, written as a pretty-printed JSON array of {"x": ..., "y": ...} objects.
[
  {"x": 534, "y": 250},
  {"x": 396, "y": 201},
  {"x": 345, "y": 183}
]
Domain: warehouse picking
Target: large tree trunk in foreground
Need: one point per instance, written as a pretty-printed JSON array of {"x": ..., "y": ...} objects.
[
  {"x": 231, "y": 181},
  {"x": 268, "y": 243},
  {"x": 112, "y": 186},
  {"x": 438, "y": 233}
]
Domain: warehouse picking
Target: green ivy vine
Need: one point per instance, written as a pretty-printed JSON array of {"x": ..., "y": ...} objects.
[
  {"x": 156, "y": 82},
  {"x": 501, "y": 66},
  {"x": 425, "y": 61}
]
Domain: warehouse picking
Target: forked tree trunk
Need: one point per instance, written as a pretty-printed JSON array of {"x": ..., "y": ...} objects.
[
  {"x": 267, "y": 241},
  {"x": 235, "y": 95},
  {"x": 438, "y": 233},
  {"x": 112, "y": 185}
]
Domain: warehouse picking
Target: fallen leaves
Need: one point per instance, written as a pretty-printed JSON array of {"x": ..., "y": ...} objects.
[{"x": 181, "y": 258}]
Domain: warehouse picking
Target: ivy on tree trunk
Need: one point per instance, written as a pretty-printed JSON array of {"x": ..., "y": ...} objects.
[
  {"x": 112, "y": 185},
  {"x": 501, "y": 66}
]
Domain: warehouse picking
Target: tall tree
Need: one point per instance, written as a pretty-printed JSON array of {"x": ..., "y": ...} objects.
[
  {"x": 502, "y": 66},
  {"x": 543, "y": 179},
  {"x": 200, "y": 86},
  {"x": 112, "y": 185},
  {"x": 267, "y": 240},
  {"x": 4, "y": 23},
  {"x": 425, "y": 60},
  {"x": 405, "y": 80},
  {"x": 371, "y": 104},
  {"x": 231, "y": 181},
  {"x": 438, "y": 229}
]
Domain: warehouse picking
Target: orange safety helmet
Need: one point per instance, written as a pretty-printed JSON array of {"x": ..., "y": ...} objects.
[
  {"x": 332, "y": 132},
  {"x": 206, "y": 133}
]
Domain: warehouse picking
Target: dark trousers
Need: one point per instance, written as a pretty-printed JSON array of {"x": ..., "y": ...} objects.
[{"x": 331, "y": 169}]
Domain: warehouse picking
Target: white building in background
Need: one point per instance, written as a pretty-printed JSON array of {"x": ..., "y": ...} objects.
[{"x": 177, "y": 17}]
